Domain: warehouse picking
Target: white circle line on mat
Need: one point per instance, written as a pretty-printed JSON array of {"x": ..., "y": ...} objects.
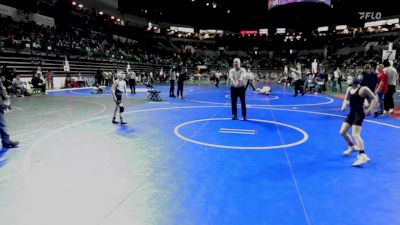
[{"x": 304, "y": 139}]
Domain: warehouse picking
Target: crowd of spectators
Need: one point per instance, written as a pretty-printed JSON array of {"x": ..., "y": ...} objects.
[{"x": 88, "y": 38}]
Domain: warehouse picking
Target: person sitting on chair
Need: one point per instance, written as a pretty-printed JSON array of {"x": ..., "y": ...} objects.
[
  {"x": 38, "y": 83},
  {"x": 17, "y": 83}
]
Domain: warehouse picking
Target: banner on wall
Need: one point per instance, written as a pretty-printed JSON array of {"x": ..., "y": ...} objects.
[
  {"x": 8, "y": 11},
  {"x": 42, "y": 20},
  {"x": 19, "y": 15}
]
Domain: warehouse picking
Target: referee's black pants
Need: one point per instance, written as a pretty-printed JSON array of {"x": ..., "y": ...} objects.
[
  {"x": 241, "y": 93},
  {"x": 180, "y": 89},
  {"x": 298, "y": 87},
  {"x": 171, "y": 88}
]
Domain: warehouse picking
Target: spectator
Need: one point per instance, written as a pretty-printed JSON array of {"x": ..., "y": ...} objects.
[
  {"x": 17, "y": 83},
  {"x": 393, "y": 77},
  {"x": 38, "y": 83},
  {"x": 49, "y": 79},
  {"x": 99, "y": 77},
  {"x": 4, "y": 102},
  {"x": 5, "y": 72},
  {"x": 381, "y": 88},
  {"x": 68, "y": 81},
  {"x": 369, "y": 79}
]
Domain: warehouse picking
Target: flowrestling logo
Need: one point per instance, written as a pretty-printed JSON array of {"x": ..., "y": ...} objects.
[{"x": 370, "y": 15}]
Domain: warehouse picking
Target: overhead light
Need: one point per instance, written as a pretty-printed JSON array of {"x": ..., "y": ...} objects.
[
  {"x": 145, "y": 11},
  {"x": 112, "y": 17},
  {"x": 207, "y": 4},
  {"x": 393, "y": 21},
  {"x": 323, "y": 29},
  {"x": 73, "y": 3},
  {"x": 192, "y": 0},
  {"x": 80, "y": 6},
  {"x": 101, "y": 13},
  {"x": 118, "y": 19},
  {"x": 214, "y": 5},
  {"x": 229, "y": 11},
  {"x": 341, "y": 27}
]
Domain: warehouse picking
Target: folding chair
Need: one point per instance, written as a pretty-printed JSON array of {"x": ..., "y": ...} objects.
[
  {"x": 35, "y": 90},
  {"x": 154, "y": 95}
]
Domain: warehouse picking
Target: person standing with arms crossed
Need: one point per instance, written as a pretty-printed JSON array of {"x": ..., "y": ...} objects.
[
  {"x": 392, "y": 78},
  {"x": 181, "y": 81},
  {"x": 172, "y": 78},
  {"x": 132, "y": 81},
  {"x": 298, "y": 82},
  {"x": 381, "y": 89},
  {"x": 237, "y": 77}
]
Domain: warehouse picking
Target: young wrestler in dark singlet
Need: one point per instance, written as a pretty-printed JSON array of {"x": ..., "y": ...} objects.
[{"x": 355, "y": 96}]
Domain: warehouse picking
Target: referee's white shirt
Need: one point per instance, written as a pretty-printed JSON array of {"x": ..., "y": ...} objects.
[
  {"x": 296, "y": 75},
  {"x": 237, "y": 77},
  {"x": 131, "y": 75}
]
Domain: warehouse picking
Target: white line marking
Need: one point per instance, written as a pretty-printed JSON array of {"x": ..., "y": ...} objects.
[
  {"x": 69, "y": 89},
  {"x": 240, "y": 130},
  {"x": 36, "y": 145},
  {"x": 161, "y": 103},
  {"x": 293, "y": 176},
  {"x": 325, "y": 114},
  {"x": 304, "y": 139},
  {"x": 97, "y": 113},
  {"x": 330, "y": 100},
  {"x": 236, "y": 132},
  {"x": 266, "y": 98}
]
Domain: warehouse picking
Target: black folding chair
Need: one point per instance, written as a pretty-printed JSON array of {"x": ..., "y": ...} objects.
[{"x": 154, "y": 95}]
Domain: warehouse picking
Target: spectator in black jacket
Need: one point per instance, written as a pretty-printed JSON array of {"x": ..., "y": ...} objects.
[
  {"x": 38, "y": 83},
  {"x": 181, "y": 80},
  {"x": 369, "y": 79}
]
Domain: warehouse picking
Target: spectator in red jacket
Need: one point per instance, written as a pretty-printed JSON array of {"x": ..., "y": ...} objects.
[{"x": 381, "y": 88}]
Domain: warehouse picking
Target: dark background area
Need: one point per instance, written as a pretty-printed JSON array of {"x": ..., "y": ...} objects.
[
  {"x": 254, "y": 14},
  {"x": 244, "y": 15}
]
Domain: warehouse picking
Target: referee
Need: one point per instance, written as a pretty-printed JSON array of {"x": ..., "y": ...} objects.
[
  {"x": 298, "y": 82},
  {"x": 237, "y": 76}
]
